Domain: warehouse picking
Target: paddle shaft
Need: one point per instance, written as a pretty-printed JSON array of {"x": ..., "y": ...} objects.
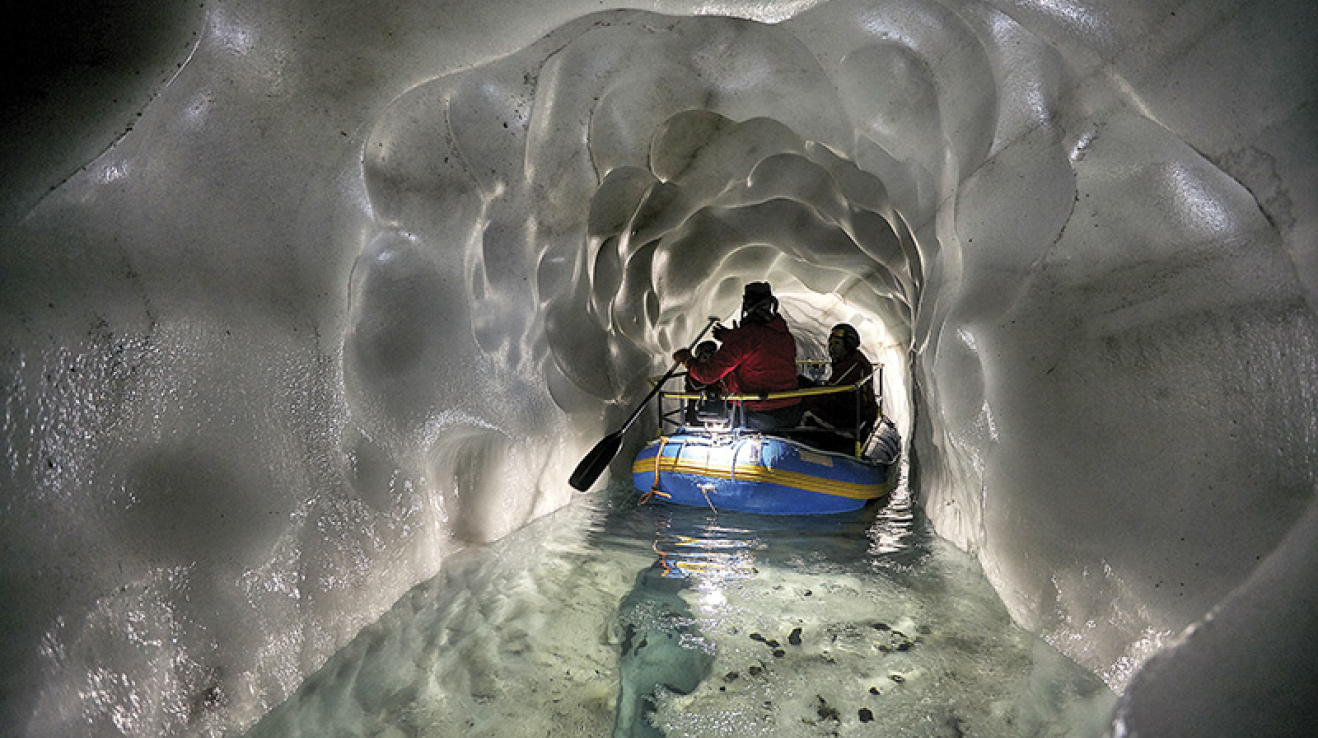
[
  {"x": 590, "y": 467},
  {"x": 660, "y": 385}
]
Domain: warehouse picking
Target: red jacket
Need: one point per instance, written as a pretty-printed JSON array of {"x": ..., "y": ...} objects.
[{"x": 755, "y": 357}]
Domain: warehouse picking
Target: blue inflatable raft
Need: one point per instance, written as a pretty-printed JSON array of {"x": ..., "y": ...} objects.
[
  {"x": 757, "y": 473},
  {"x": 705, "y": 457}
]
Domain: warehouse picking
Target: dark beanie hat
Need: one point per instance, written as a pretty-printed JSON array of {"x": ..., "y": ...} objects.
[
  {"x": 756, "y": 292},
  {"x": 758, "y": 303}
]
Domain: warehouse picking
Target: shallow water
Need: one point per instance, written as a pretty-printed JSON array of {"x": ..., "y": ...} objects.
[{"x": 840, "y": 625}]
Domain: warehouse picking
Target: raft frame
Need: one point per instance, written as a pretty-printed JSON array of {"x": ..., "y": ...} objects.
[{"x": 719, "y": 465}]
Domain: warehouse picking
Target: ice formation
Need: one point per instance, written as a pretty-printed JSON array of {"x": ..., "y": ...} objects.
[{"x": 299, "y": 297}]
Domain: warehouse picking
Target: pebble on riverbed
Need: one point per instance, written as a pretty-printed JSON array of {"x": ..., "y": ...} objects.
[
  {"x": 893, "y": 640},
  {"x": 826, "y": 711}
]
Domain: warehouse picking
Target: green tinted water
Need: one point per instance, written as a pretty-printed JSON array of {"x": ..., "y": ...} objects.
[{"x": 844, "y": 625}]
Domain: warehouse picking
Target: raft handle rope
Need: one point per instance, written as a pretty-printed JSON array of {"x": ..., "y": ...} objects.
[
  {"x": 658, "y": 460},
  {"x": 704, "y": 490},
  {"x": 732, "y": 466}
]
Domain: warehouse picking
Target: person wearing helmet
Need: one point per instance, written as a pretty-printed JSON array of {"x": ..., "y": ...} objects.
[
  {"x": 710, "y": 401},
  {"x": 757, "y": 356},
  {"x": 704, "y": 352},
  {"x": 849, "y": 366}
]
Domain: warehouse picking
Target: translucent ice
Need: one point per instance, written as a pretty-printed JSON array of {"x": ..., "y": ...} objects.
[{"x": 300, "y": 298}]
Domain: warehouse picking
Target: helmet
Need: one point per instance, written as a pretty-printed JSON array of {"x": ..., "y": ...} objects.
[{"x": 847, "y": 332}]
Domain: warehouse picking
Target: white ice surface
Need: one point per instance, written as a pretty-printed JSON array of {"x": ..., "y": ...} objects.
[{"x": 300, "y": 297}]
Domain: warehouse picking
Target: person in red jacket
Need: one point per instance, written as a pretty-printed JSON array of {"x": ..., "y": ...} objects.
[
  {"x": 758, "y": 356},
  {"x": 849, "y": 366}
]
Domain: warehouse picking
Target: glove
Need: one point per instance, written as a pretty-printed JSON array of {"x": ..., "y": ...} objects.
[
  {"x": 682, "y": 356},
  {"x": 720, "y": 331}
]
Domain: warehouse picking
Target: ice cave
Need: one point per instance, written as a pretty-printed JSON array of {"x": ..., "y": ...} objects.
[{"x": 304, "y": 300}]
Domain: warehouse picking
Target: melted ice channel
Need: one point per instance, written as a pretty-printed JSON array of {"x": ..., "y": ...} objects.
[{"x": 839, "y": 625}]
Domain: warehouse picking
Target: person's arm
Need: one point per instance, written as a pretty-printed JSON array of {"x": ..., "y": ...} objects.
[
  {"x": 849, "y": 375},
  {"x": 718, "y": 366}
]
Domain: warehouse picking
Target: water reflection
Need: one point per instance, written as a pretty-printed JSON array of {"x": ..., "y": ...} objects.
[
  {"x": 714, "y": 547},
  {"x": 698, "y": 554},
  {"x": 613, "y": 618},
  {"x": 893, "y": 532},
  {"x": 829, "y": 625}
]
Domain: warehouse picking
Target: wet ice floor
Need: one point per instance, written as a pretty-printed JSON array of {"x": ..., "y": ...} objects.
[{"x": 836, "y": 625}]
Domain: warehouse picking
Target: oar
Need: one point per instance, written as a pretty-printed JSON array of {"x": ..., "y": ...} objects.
[{"x": 599, "y": 457}]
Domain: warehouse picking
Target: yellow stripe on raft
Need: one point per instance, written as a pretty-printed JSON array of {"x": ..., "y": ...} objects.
[{"x": 753, "y": 473}]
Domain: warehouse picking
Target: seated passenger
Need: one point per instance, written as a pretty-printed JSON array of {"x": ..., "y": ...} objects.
[
  {"x": 849, "y": 365},
  {"x": 758, "y": 356},
  {"x": 703, "y": 352},
  {"x": 710, "y": 403}
]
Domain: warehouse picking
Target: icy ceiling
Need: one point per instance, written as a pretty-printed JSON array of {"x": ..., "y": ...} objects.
[{"x": 300, "y": 296}]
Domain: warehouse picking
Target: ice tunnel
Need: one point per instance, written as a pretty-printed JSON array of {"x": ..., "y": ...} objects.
[{"x": 301, "y": 297}]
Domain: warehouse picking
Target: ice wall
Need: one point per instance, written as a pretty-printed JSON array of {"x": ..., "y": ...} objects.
[{"x": 298, "y": 297}]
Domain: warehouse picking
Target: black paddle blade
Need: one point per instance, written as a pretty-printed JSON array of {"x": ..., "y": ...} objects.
[{"x": 595, "y": 462}]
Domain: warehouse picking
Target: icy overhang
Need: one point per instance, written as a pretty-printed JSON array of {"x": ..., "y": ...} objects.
[{"x": 373, "y": 271}]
